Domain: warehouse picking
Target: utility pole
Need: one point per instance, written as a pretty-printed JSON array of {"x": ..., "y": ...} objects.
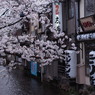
[{"x": 42, "y": 68}]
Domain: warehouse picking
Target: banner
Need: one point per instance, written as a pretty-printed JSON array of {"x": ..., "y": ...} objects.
[{"x": 57, "y": 16}]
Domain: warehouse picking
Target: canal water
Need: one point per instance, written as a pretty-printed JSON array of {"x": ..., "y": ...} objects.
[{"x": 17, "y": 82}]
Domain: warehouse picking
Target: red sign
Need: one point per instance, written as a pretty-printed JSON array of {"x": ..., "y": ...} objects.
[
  {"x": 88, "y": 23},
  {"x": 56, "y": 9}
]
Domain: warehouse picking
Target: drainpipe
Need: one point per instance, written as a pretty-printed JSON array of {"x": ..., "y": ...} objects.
[
  {"x": 77, "y": 15},
  {"x": 78, "y": 25},
  {"x": 66, "y": 15},
  {"x": 77, "y": 30},
  {"x": 78, "y": 11}
]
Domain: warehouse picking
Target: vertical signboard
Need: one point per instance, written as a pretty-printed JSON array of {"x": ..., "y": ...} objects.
[
  {"x": 57, "y": 16},
  {"x": 92, "y": 67},
  {"x": 33, "y": 68}
]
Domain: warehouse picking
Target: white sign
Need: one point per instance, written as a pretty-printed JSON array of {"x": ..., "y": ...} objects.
[
  {"x": 57, "y": 16},
  {"x": 92, "y": 67},
  {"x": 83, "y": 37},
  {"x": 72, "y": 63}
]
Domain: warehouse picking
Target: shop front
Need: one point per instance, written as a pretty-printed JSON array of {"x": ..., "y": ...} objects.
[{"x": 86, "y": 39}]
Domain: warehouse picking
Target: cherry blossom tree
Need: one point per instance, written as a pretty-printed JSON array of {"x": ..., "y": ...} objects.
[{"x": 29, "y": 47}]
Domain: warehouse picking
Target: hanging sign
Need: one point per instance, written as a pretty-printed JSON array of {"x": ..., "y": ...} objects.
[
  {"x": 92, "y": 67},
  {"x": 84, "y": 37},
  {"x": 71, "y": 63},
  {"x": 88, "y": 23},
  {"x": 57, "y": 16}
]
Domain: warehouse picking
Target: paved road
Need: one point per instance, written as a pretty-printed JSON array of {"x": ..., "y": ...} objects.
[{"x": 18, "y": 83}]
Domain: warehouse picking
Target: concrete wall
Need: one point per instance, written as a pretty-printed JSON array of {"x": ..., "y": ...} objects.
[
  {"x": 51, "y": 71},
  {"x": 81, "y": 8},
  {"x": 81, "y": 78}
]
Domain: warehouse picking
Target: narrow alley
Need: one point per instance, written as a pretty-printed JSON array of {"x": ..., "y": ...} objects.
[{"x": 18, "y": 82}]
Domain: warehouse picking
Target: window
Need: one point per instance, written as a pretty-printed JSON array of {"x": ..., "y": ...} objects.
[
  {"x": 70, "y": 9},
  {"x": 89, "y": 7}
]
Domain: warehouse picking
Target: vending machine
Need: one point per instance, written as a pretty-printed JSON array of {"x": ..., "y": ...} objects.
[{"x": 35, "y": 69}]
